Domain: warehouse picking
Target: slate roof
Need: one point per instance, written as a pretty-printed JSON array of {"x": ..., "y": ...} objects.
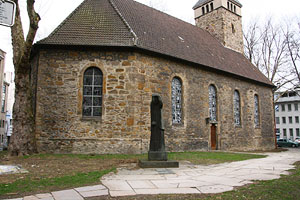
[
  {"x": 131, "y": 24},
  {"x": 202, "y": 2}
]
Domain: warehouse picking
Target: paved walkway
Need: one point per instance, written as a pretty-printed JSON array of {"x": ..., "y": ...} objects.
[{"x": 188, "y": 179}]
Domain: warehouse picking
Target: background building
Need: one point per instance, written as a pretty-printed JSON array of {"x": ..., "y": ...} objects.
[
  {"x": 3, "y": 97},
  {"x": 287, "y": 113},
  {"x": 9, "y": 78}
]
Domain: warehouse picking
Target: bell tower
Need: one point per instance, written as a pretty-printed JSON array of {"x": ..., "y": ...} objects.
[{"x": 223, "y": 20}]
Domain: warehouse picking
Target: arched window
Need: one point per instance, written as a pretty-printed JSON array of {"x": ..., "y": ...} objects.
[
  {"x": 234, "y": 7},
  {"x": 256, "y": 111},
  {"x": 203, "y": 10},
  {"x": 212, "y": 6},
  {"x": 228, "y": 5},
  {"x": 212, "y": 103},
  {"x": 237, "y": 108},
  {"x": 176, "y": 101},
  {"x": 92, "y": 92},
  {"x": 207, "y": 8}
]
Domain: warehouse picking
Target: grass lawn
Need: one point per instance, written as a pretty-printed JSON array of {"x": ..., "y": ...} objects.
[{"x": 48, "y": 172}]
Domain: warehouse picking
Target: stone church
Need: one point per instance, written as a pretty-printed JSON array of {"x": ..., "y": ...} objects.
[{"x": 94, "y": 77}]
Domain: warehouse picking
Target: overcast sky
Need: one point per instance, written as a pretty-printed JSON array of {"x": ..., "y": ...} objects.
[{"x": 53, "y": 12}]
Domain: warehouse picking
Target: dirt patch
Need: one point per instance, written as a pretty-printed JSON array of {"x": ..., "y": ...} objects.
[{"x": 51, "y": 166}]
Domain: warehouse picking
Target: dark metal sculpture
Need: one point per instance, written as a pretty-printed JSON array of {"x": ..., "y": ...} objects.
[{"x": 157, "y": 143}]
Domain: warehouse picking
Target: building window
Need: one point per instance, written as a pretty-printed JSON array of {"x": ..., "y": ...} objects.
[
  {"x": 289, "y": 107},
  {"x": 176, "y": 101},
  {"x": 283, "y": 120},
  {"x": 228, "y": 6},
  {"x": 237, "y": 108},
  {"x": 290, "y": 120},
  {"x": 291, "y": 132},
  {"x": 234, "y": 7},
  {"x": 284, "y": 132},
  {"x": 277, "y": 130},
  {"x": 276, "y": 108},
  {"x": 256, "y": 111},
  {"x": 212, "y": 103},
  {"x": 92, "y": 92},
  {"x": 297, "y": 119},
  {"x": 283, "y": 107},
  {"x": 297, "y": 132},
  {"x": 203, "y": 10},
  {"x": 212, "y": 6},
  {"x": 3, "y": 98},
  {"x": 277, "y": 120}
]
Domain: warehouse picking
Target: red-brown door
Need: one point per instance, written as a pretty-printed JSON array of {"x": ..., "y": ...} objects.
[{"x": 213, "y": 133}]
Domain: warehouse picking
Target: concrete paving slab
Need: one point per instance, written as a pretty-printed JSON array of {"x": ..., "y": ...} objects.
[
  {"x": 117, "y": 185},
  {"x": 95, "y": 193},
  {"x": 15, "y": 199},
  {"x": 66, "y": 195},
  {"x": 31, "y": 198},
  {"x": 43, "y": 196},
  {"x": 162, "y": 184},
  {"x": 141, "y": 184},
  {"x": 115, "y": 193},
  {"x": 90, "y": 188},
  {"x": 214, "y": 189},
  {"x": 168, "y": 191}
]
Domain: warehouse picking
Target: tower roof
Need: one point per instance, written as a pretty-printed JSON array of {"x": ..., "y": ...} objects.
[
  {"x": 202, "y": 2},
  {"x": 127, "y": 23}
]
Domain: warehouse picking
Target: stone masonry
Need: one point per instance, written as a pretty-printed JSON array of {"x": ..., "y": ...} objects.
[
  {"x": 129, "y": 80},
  {"x": 226, "y": 26}
]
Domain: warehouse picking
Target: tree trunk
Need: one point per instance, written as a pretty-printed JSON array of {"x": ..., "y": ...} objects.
[
  {"x": 23, "y": 137},
  {"x": 23, "y": 140}
]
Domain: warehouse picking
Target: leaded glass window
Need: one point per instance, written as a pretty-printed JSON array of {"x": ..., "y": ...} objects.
[
  {"x": 212, "y": 103},
  {"x": 237, "y": 108},
  {"x": 92, "y": 92},
  {"x": 176, "y": 101},
  {"x": 256, "y": 111}
]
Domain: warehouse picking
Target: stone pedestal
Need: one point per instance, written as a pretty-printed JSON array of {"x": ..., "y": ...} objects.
[{"x": 158, "y": 164}]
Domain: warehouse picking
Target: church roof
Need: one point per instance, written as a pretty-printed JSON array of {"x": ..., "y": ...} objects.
[
  {"x": 126, "y": 23},
  {"x": 202, "y": 2}
]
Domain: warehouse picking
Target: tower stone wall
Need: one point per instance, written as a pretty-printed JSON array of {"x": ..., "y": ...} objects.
[{"x": 223, "y": 24}]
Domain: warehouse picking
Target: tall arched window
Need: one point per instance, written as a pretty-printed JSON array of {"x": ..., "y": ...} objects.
[
  {"x": 256, "y": 111},
  {"x": 212, "y": 103},
  {"x": 92, "y": 92},
  {"x": 237, "y": 108},
  {"x": 176, "y": 101}
]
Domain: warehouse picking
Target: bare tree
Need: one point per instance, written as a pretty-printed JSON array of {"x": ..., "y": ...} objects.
[
  {"x": 23, "y": 139},
  {"x": 293, "y": 43},
  {"x": 266, "y": 46}
]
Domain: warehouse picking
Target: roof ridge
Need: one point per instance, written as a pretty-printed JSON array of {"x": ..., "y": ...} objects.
[
  {"x": 63, "y": 22},
  {"x": 125, "y": 22}
]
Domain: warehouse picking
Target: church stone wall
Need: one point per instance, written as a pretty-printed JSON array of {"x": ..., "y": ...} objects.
[{"x": 130, "y": 79}]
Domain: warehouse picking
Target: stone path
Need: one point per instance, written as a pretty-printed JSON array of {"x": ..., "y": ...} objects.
[{"x": 188, "y": 179}]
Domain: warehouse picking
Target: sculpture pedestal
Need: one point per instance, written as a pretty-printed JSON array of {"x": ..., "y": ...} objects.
[
  {"x": 158, "y": 164},
  {"x": 157, "y": 156}
]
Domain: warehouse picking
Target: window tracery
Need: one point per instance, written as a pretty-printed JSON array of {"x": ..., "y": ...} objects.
[
  {"x": 176, "y": 101},
  {"x": 92, "y": 92},
  {"x": 212, "y": 103}
]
